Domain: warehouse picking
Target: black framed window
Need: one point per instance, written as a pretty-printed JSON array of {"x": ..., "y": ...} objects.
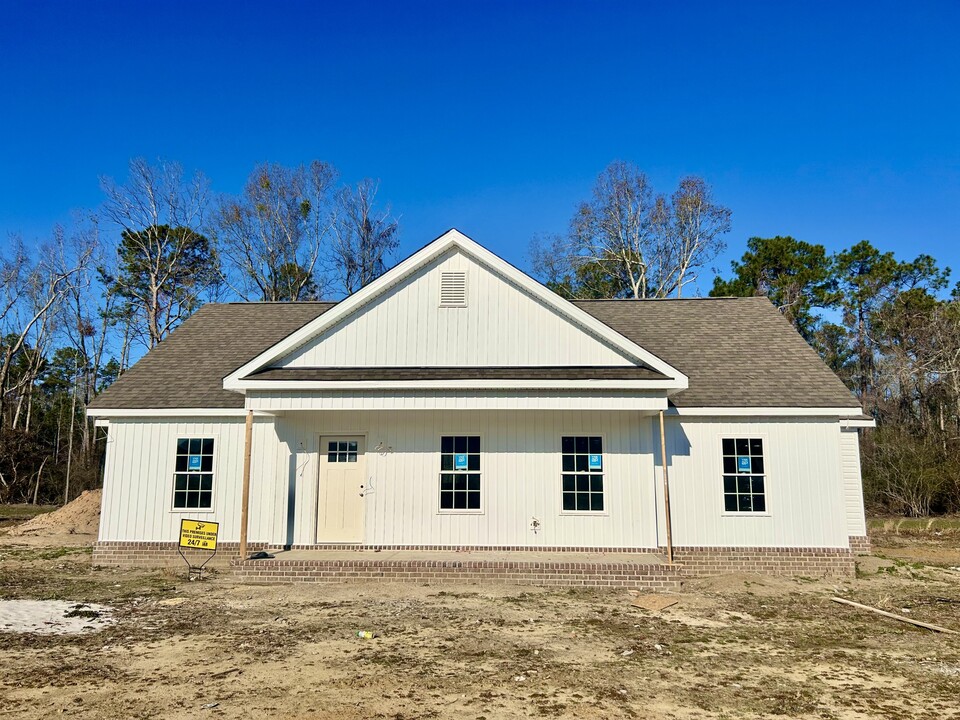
[
  {"x": 342, "y": 451},
  {"x": 744, "y": 475},
  {"x": 460, "y": 472},
  {"x": 193, "y": 479},
  {"x": 582, "y": 473}
]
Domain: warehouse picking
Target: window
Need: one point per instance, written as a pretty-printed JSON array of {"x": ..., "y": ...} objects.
[
  {"x": 743, "y": 475},
  {"x": 460, "y": 473},
  {"x": 342, "y": 451},
  {"x": 582, "y": 473},
  {"x": 193, "y": 480}
]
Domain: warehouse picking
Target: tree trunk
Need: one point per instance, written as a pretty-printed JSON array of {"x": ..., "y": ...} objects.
[
  {"x": 36, "y": 488},
  {"x": 73, "y": 415}
]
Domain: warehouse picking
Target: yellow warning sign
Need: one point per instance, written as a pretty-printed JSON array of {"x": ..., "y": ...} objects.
[{"x": 198, "y": 534}]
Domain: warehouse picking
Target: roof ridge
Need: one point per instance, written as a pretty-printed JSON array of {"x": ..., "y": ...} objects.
[{"x": 668, "y": 299}]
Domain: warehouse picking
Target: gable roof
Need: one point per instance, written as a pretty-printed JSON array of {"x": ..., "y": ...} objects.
[
  {"x": 450, "y": 240},
  {"x": 736, "y": 352}
]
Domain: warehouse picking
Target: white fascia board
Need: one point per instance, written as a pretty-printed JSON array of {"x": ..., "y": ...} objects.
[
  {"x": 638, "y": 385},
  {"x": 765, "y": 412},
  {"x": 858, "y": 423},
  {"x": 165, "y": 412},
  {"x": 452, "y": 238}
]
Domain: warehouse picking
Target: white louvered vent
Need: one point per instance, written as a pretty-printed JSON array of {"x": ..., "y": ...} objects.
[{"x": 453, "y": 289}]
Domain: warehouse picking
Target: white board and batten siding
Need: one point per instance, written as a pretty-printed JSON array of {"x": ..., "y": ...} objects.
[
  {"x": 499, "y": 324},
  {"x": 520, "y": 477},
  {"x": 139, "y": 478},
  {"x": 852, "y": 482},
  {"x": 808, "y": 480},
  {"x": 804, "y": 493}
]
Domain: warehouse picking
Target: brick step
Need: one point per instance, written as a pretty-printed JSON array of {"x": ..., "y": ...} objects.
[{"x": 640, "y": 576}]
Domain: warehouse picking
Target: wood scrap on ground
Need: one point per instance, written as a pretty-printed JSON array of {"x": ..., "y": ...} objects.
[
  {"x": 901, "y": 618},
  {"x": 655, "y": 603}
]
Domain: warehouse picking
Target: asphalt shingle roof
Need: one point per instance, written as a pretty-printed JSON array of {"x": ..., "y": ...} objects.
[
  {"x": 186, "y": 370},
  {"x": 736, "y": 352}
]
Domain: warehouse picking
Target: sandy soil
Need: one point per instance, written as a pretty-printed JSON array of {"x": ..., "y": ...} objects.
[
  {"x": 737, "y": 646},
  {"x": 81, "y": 516}
]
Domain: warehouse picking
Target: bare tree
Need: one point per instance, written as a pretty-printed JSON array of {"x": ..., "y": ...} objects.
[
  {"x": 629, "y": 241},
  {"x": 271, "y": 236},
  {"x": 695, "y": 235},
  {"x": 620, "y": 229},
  {"x": 31, "y": 293},
  {"x": 364, "y": 237},
  {"x": 165, "y": 265}
]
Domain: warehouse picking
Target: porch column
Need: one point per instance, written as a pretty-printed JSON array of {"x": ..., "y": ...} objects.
[
  {"x": 666, "y": 490},
  {"x": 245, "y": 502}
]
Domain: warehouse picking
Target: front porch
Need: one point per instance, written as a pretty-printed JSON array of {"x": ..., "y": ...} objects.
[{"x": 642, "y": 571}]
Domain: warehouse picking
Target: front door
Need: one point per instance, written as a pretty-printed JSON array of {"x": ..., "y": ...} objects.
[{"x": 340, "y": 511}]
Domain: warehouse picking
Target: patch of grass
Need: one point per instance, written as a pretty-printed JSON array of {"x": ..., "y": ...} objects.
[
  {"x": 23, "y": 512},
  {"x": 914, "y": 526}
]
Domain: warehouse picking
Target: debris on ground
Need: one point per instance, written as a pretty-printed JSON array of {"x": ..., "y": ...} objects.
[
  {"x": 79, "y": 517},
  {"x": 655, "y": 603},
  {"x": 894, "y": 616},
  {"x": 52, "y": 617}
]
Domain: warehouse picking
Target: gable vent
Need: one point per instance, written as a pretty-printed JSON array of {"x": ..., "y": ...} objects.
[{"x": 453, "y": 289}]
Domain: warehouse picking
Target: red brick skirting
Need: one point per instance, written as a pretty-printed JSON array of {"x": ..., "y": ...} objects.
[
  {"x": 860, "y": 544},
  {"x": 163, "y": 554},
  {"x": 811, "y": 562},
  {"x": 653, "y": 577},
  {"x": 691, "y": 562}
]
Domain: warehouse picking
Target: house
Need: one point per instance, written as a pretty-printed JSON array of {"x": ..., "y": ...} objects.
[{"x": 456, "y": 403}]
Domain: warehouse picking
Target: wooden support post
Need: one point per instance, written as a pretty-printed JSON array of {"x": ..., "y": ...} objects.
[
  {"x": 666, "y": 490},
  {"x": 245, "y": 502}
]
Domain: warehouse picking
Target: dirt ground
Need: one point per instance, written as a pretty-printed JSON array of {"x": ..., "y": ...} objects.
[{"x": 733, "y": 647}]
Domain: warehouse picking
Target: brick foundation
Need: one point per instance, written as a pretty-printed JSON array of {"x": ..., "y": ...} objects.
[
  {"x": 652, "y": 577},
  {"x": 162, "y": 554},
  {"x": 691, "y": 562},
  {"x": 860, "y": 544},
  {"x": 811, "y": 562}
]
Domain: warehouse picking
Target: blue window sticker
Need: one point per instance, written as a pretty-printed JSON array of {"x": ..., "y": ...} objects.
[
  {"x": 194, "y": 462},
  {"x": 596, "y": 462},
  {"x": 743, "y": 463},
  {"x": 460, "y": 461}
]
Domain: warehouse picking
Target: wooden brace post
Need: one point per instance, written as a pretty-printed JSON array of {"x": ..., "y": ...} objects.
[
  {"x": 666, "y": 490},
  {"x": 245, "y": 502}
]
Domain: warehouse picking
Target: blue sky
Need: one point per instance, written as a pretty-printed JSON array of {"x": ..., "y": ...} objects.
[{"x": 833, "y": 122}]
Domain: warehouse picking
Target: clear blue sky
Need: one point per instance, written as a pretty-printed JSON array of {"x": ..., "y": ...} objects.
[{"x": 833, "y": 122}]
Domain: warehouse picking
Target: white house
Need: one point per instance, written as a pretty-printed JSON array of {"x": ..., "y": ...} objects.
[{"x": 455, "y": 403}]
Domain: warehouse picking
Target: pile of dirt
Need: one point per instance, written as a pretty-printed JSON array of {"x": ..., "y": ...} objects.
[{"x": 80, "y": 517}]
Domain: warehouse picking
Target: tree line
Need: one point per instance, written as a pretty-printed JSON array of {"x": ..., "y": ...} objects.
[
  {"x": 887, "y": 326},
  {"x": 78, "y": 306}
]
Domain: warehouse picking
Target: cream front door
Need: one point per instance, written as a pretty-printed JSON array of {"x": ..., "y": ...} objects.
[{"x": 342, "y": 480}]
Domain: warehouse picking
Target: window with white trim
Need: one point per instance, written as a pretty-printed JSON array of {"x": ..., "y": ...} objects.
[
  {"x": 744, "y": 476},
  {"x": 582, "y": 473},
  {"x": 460, "y": 473},
  {"x": 193, "y": 479}
]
